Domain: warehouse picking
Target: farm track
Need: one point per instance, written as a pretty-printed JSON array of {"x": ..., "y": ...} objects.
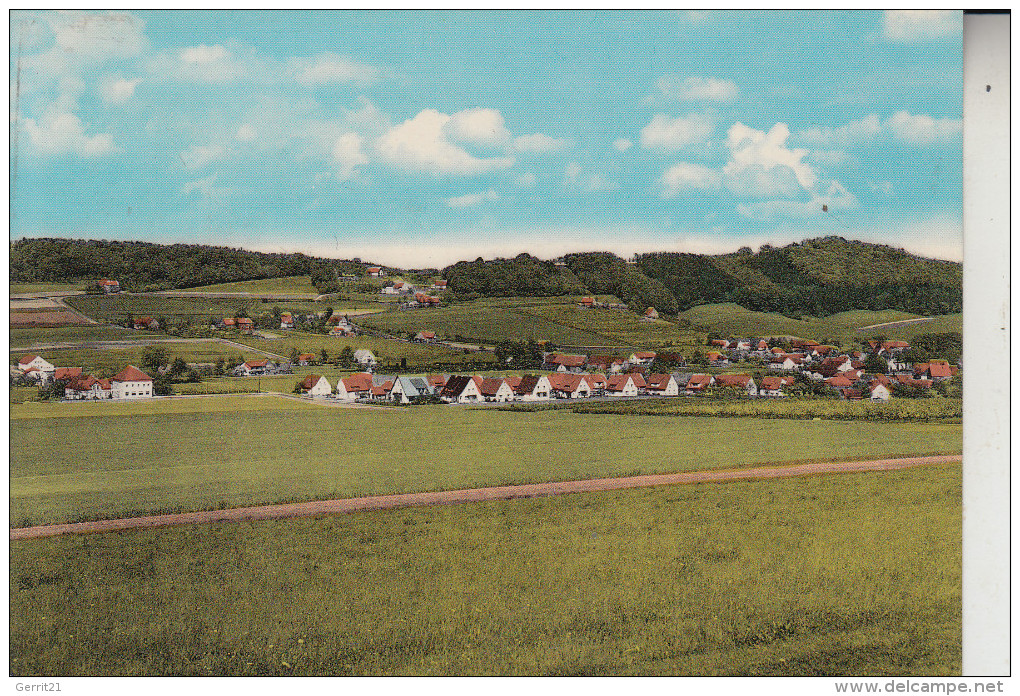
[
  {"x": 893, "y": 324},
  {"x": 470, "y": 495}
]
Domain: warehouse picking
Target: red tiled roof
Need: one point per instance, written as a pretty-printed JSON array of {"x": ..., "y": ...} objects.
[
  {"x": 26, "y": 359},
  {"x": 436, "y": 381},
  {"x": 358, "y": 382},
  {"x": 733, "y": 380},
  {"x": 244, "y": 320},
  {"x": 306, "y": 356},
  {"x": 772, "y": 383},
  {"x": 490, "y": 386},
  {"x": 595, "y": 380},
  {"x": 513, "y": 381},
  {"x": 373, "y": 268},
  {"x": 657, "y": 382},
  {"x": 698, "y": 382},
  {"x": 310, "y": 381},
  {"x": 566, "y": 383},
  {"x": 720, "y": 342},
  {"x": 618, "y": 382},
  {"x": 228, "y": 321},
  {"x": 131, "y": 374},
  {"x": 566, "y": 360},
  {"x": 256, "y": 363},
  {"x": 440, "y": 283},
  {"x": 838, "y": 382},
  {"x": 645, "y": 355},
  {"x": 427, "y": 334},
  {"x": 67, "y": 372},
  {"x": 108, "y": 282}
]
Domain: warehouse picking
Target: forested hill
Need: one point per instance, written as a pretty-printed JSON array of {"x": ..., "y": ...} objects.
[
  {"x": 816, "y": 277},
  {"x": 143, "y": 266}
]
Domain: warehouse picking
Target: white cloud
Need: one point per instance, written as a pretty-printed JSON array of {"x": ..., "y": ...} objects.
[
  {"x": 539, "y": 142},
  {"x": 472, "y": 199},
  {"x": 118, "y": 90},
  {"x": 834, "y": 198},
  {"x": 245, "y": 133},
  {"x": 901, "y": 126},
  {"x": 526, "y": 180},
  {"x": 685, "y": 176},
  {"x": 420, "y": 144},
  {"x": 666, "y": 134},
  {"x": 478, "y": 127},
  {"x": 200, "y": 156},
  {"x": 330, "y": 68},
  {"x": 348, "y": 155},
  {"x": 709, "y": 89},
  {"x": 622, "y": 144},
  {"x": 762, "y": 165},
  {"x": 81, "y": 39},
  {"x": 916, "y": 26},
  {"x": 574, "y": 176},
  {"x": 369, "y": 118},
  {"x": 61, "y": 132},
  {"x": 201, "y": 63}
]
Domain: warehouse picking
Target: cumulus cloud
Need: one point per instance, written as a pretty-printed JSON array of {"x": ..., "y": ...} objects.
[
  {"x": 538, "y": 143},
  {"x": 116, "y": 90},
  {"x": 834, "y": 197},
  {"x": 687, "y": 176},
  {"x": 200, "y": 156},
  {"x": 576, "y": 177},
  {"x": 200, "y": 63},
  {"x": 902, "y": 126},
  {"x": 622, "y": 144},
  {"x": 708, "y": 89},
  {"x": 917, "y": 26},
  {"x": 245, "y": 133},
  {"x": 670, "y": 134},
  {"x": 762, "y": 165},
  {"x": 61, "y": 132},
  {"x": 421, "y": 144},
  {"x": 478, "y": 127},
  {"x": 82, "y": 39},
  {"x": 348, "y": 155},
  {"x": 330, "y": 68},
  {"x": 472, "y": 199}
]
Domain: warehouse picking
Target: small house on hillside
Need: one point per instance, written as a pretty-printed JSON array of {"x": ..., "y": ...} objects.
[
  {"x": 254, "y": 368},
  {"x": 365, "y": 358},
  {"x": 698, "y": 383},
  {"x": 650, "y": 314},
  {"x": 375, "y": 272},
  {"x": 439, "y": 284},
  {"x": 356, "y": 386},
  {"x": 305, "y": 359},
  {"x": 559, "y": 362},
  {"x": 315, "y": 385},
  {"x": 109, "y": 286},
  {"x": 642, "y": 357},
  {"x": 661, "y": 385},
  {"x": 621, "y": 385},
  {"x": 286, "y": 320},
  {"x": 27, "y": 362},
  {"x": 246, "y": 325},
  {"x": 425, "y": 337}
]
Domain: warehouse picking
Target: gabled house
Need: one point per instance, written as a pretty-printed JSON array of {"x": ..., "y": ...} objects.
[
  {"x": 661, "y": 385},
  {"x": 365, "y": 357},
  {"x": 716, "y": 359},
  {"x": 742, "y": 344},
  {"x": 642, "y": 357},
  {"x": 27, "y": 362},
  {"x": 88, "y": 387},
  {"x": 698, "y": 383},
  {"x": 621, "y": 385},
  {"x": 558, "y": 362},
  {"x": 879, "y": 391},
  {"x": 745, "y": 382},
  {"x": 252, "y": 368},
  {"x": 607, "y": 363},
  {"x": 109, "y": 286},
  {"x": 763, "y": 345},
  {"x": 596, "y": 382},
  {"x": 935, "y": 370},
  {"x": 356, "y": 386},
  {"x": 786, "y": 361},
  {"x": 67, "y": 373},
  {"x": 533, "y": 388},
  {"x": 315, "y": 385},
  {"x": 830, "y": 367},
  {"x": 131, "y": 383},
  {"x": 496, "y": 389},
  {"x": 438, "y": 284},
  {"x": 305, "y": 359},
  {"x": 851, "y": 394},
  {"x": 145, "y": 323},
  {"x": 569, "y": 386},
  {"x": 286, "y": 320},
  {"x": 425, "y": 336},
  {"x": 246, "y": 325},
  {"x": 407, "y": 389},
  {"x": 773, "y": 386},
  {"x": 719, "y": 343},
  {"x": 227, "y": 323},
  {"x": 437, "y": 382},
  {"x": 461, "y": 389},
  {"x": 375, "y": 272},
  {"x": 839, "y": 382},
  {"x": 651, "y": 314},
  {"x": 586, "y": 302}
]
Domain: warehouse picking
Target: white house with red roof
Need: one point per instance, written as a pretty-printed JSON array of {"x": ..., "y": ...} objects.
[
  {"x": 661, "y": 385},
  {"x": 425, "y": 336},
  {"x": 698, "y": 383},
  {"x": 286, "y": 320},
  {"x": 745, "y": 382},
  {"x": 88, "y": 387},
  {"x": 36, "y": 362},
  {"x": 316, "y": 386},
  {"x": 533, "y": 388},
  {"x": 642, "y": 357},
  {"x": 560, "y": 362},
  {"x": 496, "y": 389},
  {"x": 356, "y": 386},
  {"x": 131, "y": 383},
  {"x": 569, "y": 386},
  {"x": 109, "y": 286},
  {"x": 773, "y": 386},
  {"x": 252, "y": 368},
  {"x": 621, "y": 385}
]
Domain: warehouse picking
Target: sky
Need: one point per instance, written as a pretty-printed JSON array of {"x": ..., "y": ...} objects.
[{"x": 421, "y": 138}]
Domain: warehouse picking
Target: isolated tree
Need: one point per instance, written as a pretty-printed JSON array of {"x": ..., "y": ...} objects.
[
  {"x": 323, "y": 356},
  {"x": 155, "y": 357},
  {"x": 178, "y": 367}
]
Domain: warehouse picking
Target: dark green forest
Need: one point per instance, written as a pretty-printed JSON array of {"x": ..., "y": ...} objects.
[{"x": 815, "y": 277}]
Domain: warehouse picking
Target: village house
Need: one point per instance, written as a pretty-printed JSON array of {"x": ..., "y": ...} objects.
[
  {"x": 719, "y": 343},
  {"x": 496, "y": 389},
  {"x": 586, "y": 302},
  {"x": 407, "y": 389},
  {"x": 36, "y": 362},
  {"x": 569, "y": 386},
  {"x": 596, "y": 382},
  {"x": 461, "y": 389},
  {"x": 621, "y": 385},
  {"x": 879, "y": 391},
  {"x": 935, "y": 370},
  {"x": 375, "y": 272},
  {"x": 109, "y": 286},
  {"x": 227, "y": 323},
  {"x": 786, "y": 361},
  {"x": 286, "y": 320},
  {"x": 558, "y": 362},
  {"x": 773, "y": 386},
  {"x": 651, "y": 314},
  {"x": 438, "y": 284},
  {"x": 717, "y": 359},
  {"x": 425, "y": 337},
  {"x": 353, "y": 387},
  {"x": 365, "y": 358},
  {"x": 315, "y": 386},
  {"x": 745, "y": 382},
  {"x": 850, "y": 394},
  {"x": 661, "y": 385},
  {"x": 131, "y": 383},
  {"x": 698, "y": 383},
  {"x": 87, "y": 387},
  {"x": 643, "y": 357},
  {"x": 389, "y": 289},
  {"x": 305, "y": 359},
  {"x": 149, "y": 323},
  {"x": 246, "y": 325},
  {"x": 437, "y": 382},
  {"x": 67, "y": 373},
  {"x": 533, "y": 388},
  {"x": 254, "y": 368},
  {"x": 607, "y": 363}
]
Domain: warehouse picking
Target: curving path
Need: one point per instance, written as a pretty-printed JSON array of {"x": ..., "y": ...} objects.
[{"x": 471, "y": 495}]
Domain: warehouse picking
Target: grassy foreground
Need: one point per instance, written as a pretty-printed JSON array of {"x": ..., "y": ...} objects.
[
  {"x": 87, "y": 460},
  {"x": 849, "y": 574}
]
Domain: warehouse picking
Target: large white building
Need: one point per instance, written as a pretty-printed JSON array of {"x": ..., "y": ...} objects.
[{"x": 131, "y": 383}]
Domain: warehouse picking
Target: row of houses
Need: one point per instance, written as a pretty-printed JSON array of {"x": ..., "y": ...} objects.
[
  {"x": 268, "y": 366},
  {"x": 129, "y": 383}
]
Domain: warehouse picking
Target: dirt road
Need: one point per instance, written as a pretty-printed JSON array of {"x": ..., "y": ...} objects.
[{"x": 470, "y": 495}]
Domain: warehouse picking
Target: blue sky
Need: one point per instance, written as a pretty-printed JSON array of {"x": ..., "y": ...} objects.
[{"x": 420, "y": 138}]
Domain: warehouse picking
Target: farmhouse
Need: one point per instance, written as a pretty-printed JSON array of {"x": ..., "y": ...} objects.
[
  {"x": 597, "y": 383},
  {"x": 533, "y": 388},
  {"x": 569, "y": 386},
  {"x": 496, "y": 389},
  {"x": 131, "y": 383},
  {"x": 375, "y": 272},
  {"x": 109, "y": 286},
  {"x": 305, "y": 359},
  {"x": 559, "y": 362},
  {"x": 246, "y": 325},
  {"x": 286, "y": 320},
  {"x": 650, "y": 314},
  {"x": 227, "y": 323},
  {"x": 356, "y": 386},
  {"x": 935, "y": 370},
  {"x": 315, "y": 385},
  {"x": 773, "y": 386},
  {"x": 425, "y": 336},
  {"x": 88, "y": 387},
  {"x": 27, "y": 362},
  {"x": 643, "y": 357},
  {"x": 586, "y": 302},
  {"x": 461, "y": 389},
  {"x": 879, "y": 391},
  {"x": 252, "y": 368},
  {"x": 697, "y": 384},
  {"x": 145, "y": 323},
  {"x": 439, "y": 284},
  {"x": 67, "y": 373}
]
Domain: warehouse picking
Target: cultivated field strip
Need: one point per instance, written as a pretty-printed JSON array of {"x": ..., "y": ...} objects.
[{"x": 382, "y": 502}]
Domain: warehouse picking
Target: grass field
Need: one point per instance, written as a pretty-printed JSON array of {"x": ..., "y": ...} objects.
[
  {"x": 114, "y": 308},
  {"x": 66, "y": 334},
  {"x": 18, "y": 288},
  {"x": 71, "y": 461},
  {"x": 552, "y": 319},
  {"x": 92, "y": 360},
  {"x": 732, "y": 319},
  {"x": 287, "y": 285},
  {"x": 838, "y": 575}
]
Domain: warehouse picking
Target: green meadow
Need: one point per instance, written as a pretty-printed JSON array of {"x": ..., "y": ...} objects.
[
  {"x": 854, "y": 574},
  {"x": 115, "y": 308},
  {"x": 556, "y": 319},
  {"x": 92, "y": 460},
  {"x": 27, "y": 337},
  {"x": 730, "y": 319},
  {"x": 18, "y": 288},
  {"x": 284, "y": 285}
]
